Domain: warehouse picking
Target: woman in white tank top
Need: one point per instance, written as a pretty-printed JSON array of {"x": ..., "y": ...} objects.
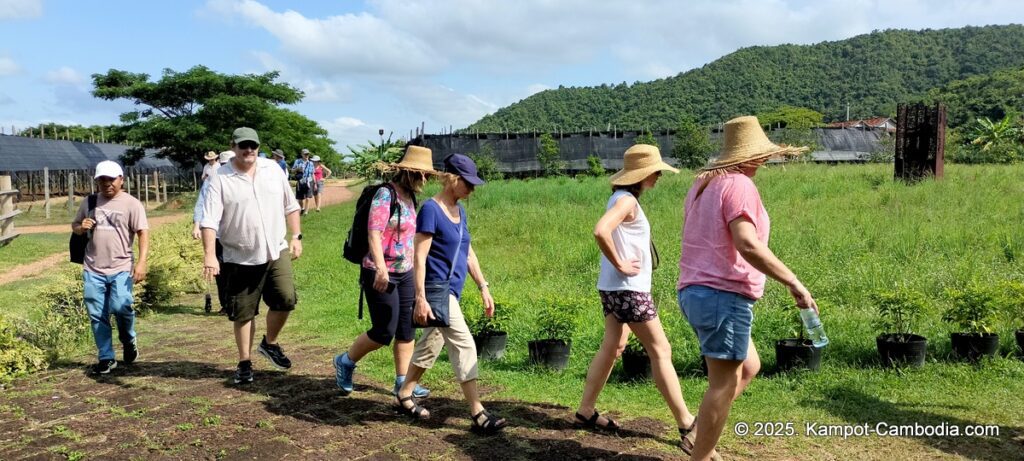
[{"x": 624, "y": 236}]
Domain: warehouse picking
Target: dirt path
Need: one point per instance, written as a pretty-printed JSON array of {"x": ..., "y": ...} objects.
[
  {"x": 177, "y": 403},
  {"x": 334, "y": 193}
]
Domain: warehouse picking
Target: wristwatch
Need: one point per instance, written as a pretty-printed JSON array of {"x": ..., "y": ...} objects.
[{"x": 297, "y": 236}]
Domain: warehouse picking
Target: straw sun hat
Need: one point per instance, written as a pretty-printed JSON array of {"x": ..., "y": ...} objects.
[
  {"x": 745, "y": 141},
  {"x": 210, "y": 155},
  {"x": 417, "y": 158},
  {"x": 639, "y": 162}
]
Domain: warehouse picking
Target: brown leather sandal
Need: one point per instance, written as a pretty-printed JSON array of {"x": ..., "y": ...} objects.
[
  {"x": 687, "y": 439},
  {"x": 591, "y": 422}
]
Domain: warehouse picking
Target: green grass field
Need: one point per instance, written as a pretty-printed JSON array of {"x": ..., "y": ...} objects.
[
  {"x": 847, "y": 231},
  {"x": 31, "y": 247}
]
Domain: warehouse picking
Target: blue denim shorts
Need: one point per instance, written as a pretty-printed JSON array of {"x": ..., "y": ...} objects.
[{"x": 721, "y": 320}]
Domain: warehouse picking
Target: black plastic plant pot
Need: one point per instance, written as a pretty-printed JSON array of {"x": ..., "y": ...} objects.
[
  {"x": 974, "y": 346},
  {"x": 636, "y": 366},
  {"x": 491, "y": 346},
  {"x": 902, "y": 349},
  {"x": 553, "y": 353},
  {"x": 794, "y": 353},
  {"x": 1020, "y": 342}
]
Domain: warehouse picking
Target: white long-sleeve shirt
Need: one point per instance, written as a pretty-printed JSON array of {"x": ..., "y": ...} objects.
[{"x": 249, "y": 213}]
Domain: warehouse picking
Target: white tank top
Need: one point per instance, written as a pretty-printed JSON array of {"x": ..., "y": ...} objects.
[{"x": 632, "y": 240}]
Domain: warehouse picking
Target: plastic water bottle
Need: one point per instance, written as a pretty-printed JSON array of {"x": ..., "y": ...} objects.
[{"x": 815, "y": 330}]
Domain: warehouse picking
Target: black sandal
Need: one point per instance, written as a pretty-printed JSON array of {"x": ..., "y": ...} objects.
[
  {"x": 591, "y": 423},
  {"x": 490, "y": 425},
  {"x": 417, "y": 412}
]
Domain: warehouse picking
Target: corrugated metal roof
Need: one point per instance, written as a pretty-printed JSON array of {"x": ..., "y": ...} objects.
[{"x": 19, "y": 153}]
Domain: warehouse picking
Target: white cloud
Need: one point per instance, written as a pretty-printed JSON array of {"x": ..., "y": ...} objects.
[
  {"x": 316, "y": 90},
  {"x": 536, "y": 88},
  {"x": 441, "y": 105},
  {"x": 338, "y": 45},
  {"x": 8, "y": 66},
  {"x": 64, "y": 76},
  {"x": 21, "y": 9},
  {"x": 349, "y": 131}
]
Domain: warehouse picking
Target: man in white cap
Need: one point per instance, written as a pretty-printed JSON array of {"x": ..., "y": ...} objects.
[
  {"x": 303, "y": 169},
  {"x": 113, "y": 219},
  {"x": 197, "y": 217},
  {"x": 248, "y": 204}
]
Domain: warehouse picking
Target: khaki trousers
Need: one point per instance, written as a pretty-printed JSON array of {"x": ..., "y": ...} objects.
[{"x": 461, "y": 348}]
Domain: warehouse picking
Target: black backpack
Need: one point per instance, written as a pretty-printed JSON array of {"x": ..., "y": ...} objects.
[
  {"x": 77, "y": 243},
  {"x": 357, "y": 244}
]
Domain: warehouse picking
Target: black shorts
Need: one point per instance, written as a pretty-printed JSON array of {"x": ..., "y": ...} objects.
[
  {"x": 245, "y": 285},
  {"x": 303, "y": 191},
  {"x": 628, "y": 306},
  {"x": 391, "y": 311}
]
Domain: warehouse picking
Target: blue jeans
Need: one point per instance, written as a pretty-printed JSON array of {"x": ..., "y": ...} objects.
[{"x": 105, "y": 295}]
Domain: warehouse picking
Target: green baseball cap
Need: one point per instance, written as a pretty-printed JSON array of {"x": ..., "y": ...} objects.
[{"x": 245, "y": 134}]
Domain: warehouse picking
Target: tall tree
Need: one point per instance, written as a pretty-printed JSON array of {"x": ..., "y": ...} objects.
[
  {"x": 549, "y": 156},
  {"x": 187, "y": 113},
  {"x": 692, "y": 145}
]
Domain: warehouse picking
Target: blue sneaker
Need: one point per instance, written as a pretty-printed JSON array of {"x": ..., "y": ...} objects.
[
  {"x": 343, "y": 374},
  {"x": 419, "y": 392}
]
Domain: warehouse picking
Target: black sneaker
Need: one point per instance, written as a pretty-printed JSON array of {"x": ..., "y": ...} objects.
[
  {"x": 274, "y": 353},
  {"x": 131, "y": 352},
  {"x": 104, "y": 367},
  {"x": 243, "y": 374}
]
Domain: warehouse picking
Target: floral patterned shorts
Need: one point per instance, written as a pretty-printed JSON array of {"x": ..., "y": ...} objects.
[{"x": 628, "y": 306}]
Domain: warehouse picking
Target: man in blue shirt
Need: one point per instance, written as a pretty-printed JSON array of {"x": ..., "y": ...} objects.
[
  {"x": 303, "y": 170},
  {"x": 279, "y": 158}
]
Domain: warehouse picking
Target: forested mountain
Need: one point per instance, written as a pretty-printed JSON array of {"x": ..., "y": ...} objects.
[
  {"x": 871, "y": 73},
  {"x": 991, "y": 95}
]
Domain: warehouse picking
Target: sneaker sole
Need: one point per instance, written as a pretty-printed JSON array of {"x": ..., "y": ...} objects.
[
  {"x": 107, "y": 371},
  {"x": 243, "y": 381},
  {"x": 266, "y": 354},
  {"x": 137, "y": 355}
]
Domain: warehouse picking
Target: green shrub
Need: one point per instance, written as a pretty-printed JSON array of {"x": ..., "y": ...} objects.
[
  {"x": 480, "y": 324},
  {"x": 634, "y": 346},
  {"x": 594, "y": 166},
  {"x": 898, "y": 310},
  {"x": 1009, "y": 299},
  {"x": 558, "y": 318},
  {"x": 549, "y": 156},
  {"x": 972, "y": 309},
  {"x": 63, "y": 324},
  {"x": 17, "y": 356},
  {"x": 487, "y": 164},
  {"x": 175, "y": 266}
]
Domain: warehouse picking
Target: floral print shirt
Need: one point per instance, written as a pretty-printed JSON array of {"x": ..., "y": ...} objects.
[{"x": 397, "y": 243}]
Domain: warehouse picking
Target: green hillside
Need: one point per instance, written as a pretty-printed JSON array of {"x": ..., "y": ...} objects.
[{"x": 871, "y": 72}]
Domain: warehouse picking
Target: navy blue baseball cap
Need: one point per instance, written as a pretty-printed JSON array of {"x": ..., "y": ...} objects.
[{"x": 463, "y": 167}]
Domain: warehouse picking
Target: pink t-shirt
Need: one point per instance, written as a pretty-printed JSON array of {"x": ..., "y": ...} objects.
[
  {"x": 708, "y": 255},
  {"x": 318, "y": 173},
  {"x": 397, "y": 246}
]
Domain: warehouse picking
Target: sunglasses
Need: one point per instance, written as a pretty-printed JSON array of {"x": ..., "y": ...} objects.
[{"x": 248, "y": 145}]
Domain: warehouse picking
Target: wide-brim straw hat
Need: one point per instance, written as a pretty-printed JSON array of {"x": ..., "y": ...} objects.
[
  {"x": 639, "y": 162},
  {"x": 745, "y": 141},
  {"x": 210, "y": 155},
  {"x": 417, "y": 158}
]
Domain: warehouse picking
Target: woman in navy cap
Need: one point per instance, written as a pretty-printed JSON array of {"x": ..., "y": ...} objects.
[{"x": 444, "y": 256}]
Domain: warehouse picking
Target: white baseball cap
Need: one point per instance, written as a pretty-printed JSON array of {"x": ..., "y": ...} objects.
[
  {"x": 108, "y": 169},
  {"x": 226, "y": 156}
]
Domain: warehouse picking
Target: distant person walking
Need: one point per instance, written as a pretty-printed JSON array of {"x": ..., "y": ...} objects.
[
  {"x": 197, "y": 218},
  {"x": 303, "y": 169},
  {"x": 387, "y": 276},
  {"x": 624, "y": 283},
  {"x": 320, "y": 173},
  {"x": 279, "y": 158},
  {"x": 722, "y": 268},
  {"x": 443, "y": 258},
  {"x": 113, "y": 223},
  {"x": 211, "y": 164},
  {"x": 248, "y": 204}
]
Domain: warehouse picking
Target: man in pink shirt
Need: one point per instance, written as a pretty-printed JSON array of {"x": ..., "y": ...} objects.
[{"x": 722, "y": 268}]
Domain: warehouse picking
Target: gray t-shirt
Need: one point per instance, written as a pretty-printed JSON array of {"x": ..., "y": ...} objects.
[{"x": 117, "y": 221}]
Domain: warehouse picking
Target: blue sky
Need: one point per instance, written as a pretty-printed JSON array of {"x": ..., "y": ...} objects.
[{"x": 393, "y": 64}]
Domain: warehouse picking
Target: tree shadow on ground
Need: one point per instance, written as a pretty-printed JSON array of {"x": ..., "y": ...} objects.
[
  {"x": 316, "y": 399},
  {"x": 856, "y": 407}
]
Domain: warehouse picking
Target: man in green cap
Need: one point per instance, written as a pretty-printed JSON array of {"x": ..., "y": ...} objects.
[{"x": 249, "y": 203}]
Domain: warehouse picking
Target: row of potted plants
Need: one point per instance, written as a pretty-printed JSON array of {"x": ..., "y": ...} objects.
[{"x": 973, "y": 310}]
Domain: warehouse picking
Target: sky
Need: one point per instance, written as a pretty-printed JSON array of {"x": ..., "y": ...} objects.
[{"x": 394, "y": 64}]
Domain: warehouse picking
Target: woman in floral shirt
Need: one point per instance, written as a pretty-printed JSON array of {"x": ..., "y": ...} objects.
[{"x": 386, "y": 276}]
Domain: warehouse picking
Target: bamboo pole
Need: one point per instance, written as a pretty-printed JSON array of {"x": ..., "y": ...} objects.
[
  {"x": 147, "y": 189},
  {"x": 156, "y": 186},
  {"x": 71, "y": 190}
]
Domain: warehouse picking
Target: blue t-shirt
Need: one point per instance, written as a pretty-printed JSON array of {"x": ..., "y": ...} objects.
[{"x": 432, "y": 220}]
